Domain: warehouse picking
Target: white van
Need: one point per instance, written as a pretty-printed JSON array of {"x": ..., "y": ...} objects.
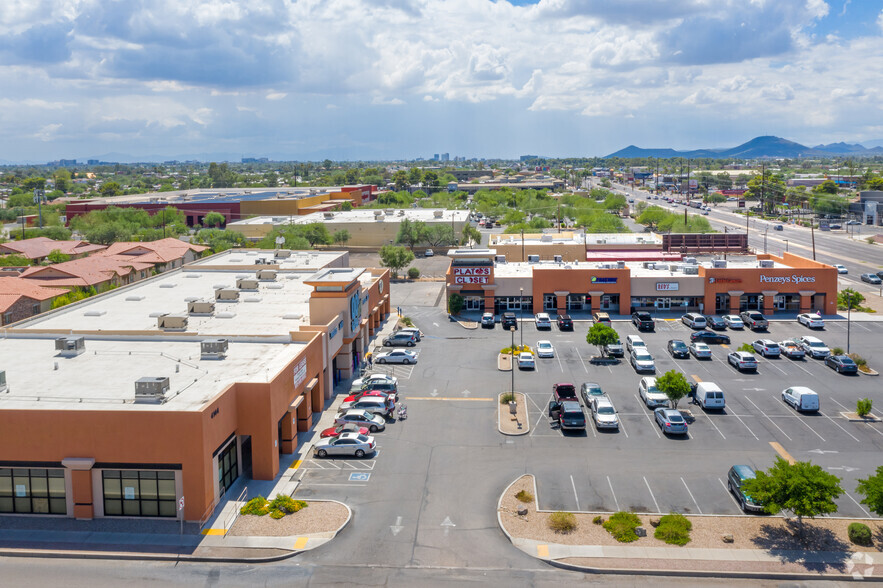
[
  {"x": 633, "y": 341},
  {"x": 694, "y": 320},
  {"x": 710, "y": 396},
  {"x": 801, "y": 398}
]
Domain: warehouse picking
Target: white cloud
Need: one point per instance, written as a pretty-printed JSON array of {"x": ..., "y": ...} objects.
[
  {"x": 276, "y": 95},
  {"x": 880, "y": 20},
  {"x": 47, "y": 132}
]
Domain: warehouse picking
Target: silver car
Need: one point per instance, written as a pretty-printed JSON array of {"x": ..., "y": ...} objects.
[
  {"x": 642, "y": 361},
  {"x": 345, "y": 444},
  {"x": 734, "y": 321},
  {"x": 603, "y": 413},
  {"x": 372, "y": 422},
  {"x": 700, "y": 350},
  {"x": 397, "y": 356},
  {"x": 670, "y": 421}
]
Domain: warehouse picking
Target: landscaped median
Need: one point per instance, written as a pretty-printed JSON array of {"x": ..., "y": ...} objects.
[
  {"x": 509, "y": 356},
  {"x": 509, "y": 423},
  {"x": 750, "y": 546}
]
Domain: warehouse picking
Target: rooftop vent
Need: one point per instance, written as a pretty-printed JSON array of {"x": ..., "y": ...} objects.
[
  {"x": 252, "y": 299},
  {"x": 266, "y": 275},
  {"x": 226, "y": 315},
  {"x": 690, "y": 260},
  {"x": 172, "y": 284},
  {"x": 213, "y": 348},
  {"x": 766, "y": 263},
  {"x": 226, "y": 295},
  {"x": 136, "y": 298},
  {"x": 546, "y": 238},
  {"x": 204, "y": 307},
  {"x": 719, "y": 263},
  {"x": 3, "y": 386},
  {"x": 70, "y": 346},
  {"x": 283, "y": 253},
  {"x": 275, "y": 286},
  {"x": 172, "y": 322},
  {"x": 279, "y": 219},
  {"x": 533, "y": 258},
  {"x": 191, "y": 275},
  {"x": 438, "y": 213},
  {"x": 328, "y": 215},
  {"x": 620, "y": 264},
  {"x": 500, "y": 258},
  {"x": 261, "y": 261},
  {"x": 691, "y": 270},
  {"x": 247, "y": 284},
  {"x": 151, "y": 390},
  {"x": 647, "y": 264},
  {"x": 292, "y": 316},
  {"x": 95, "y": 313},
  {"x": 378, "y": 213}
]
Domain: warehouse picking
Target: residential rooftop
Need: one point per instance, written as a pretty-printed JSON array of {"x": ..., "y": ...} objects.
[{"x": 103, "y": 376}]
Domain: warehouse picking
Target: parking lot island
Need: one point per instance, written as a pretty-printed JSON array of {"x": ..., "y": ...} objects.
[
  {"x": 719, "y": 546},
  {"x": 509, "y": 423}
]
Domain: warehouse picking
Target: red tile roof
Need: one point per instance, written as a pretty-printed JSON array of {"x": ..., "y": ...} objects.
[
  {"x": 40, "y": 247},
  {"x": 88, "y": 271},
  {"x": 13, "y": 289},
  {"x": 161, "y": 251}
]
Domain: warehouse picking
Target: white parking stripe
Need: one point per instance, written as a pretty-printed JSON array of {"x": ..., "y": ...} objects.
[
  {"x": 691, "y": 495},
  {"x": 811, "y": 429},
  {"x": 803, "y": 368},
  {"x": 615, "y": 501},
  {"x": 581, "y": 359},
  {"x": 575, "y": 495},
  {"x": 559, "y": 362},
  {"x": 858, "y": 504},
  {"x": 711, "y": 420},
  {"x": 841, "y": 428},
  {"x": 727, "y": 490},
  {"x": 652, "y": 422},
  {"x": 768, "y": 418},
  {"x": 651, "y": 494},
  {"x": 622, "y": 428},
  {"x": 775, "y": 366}
]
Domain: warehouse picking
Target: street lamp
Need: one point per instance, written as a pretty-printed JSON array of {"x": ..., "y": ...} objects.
[
  {"x": 848, "y": 316},
  {"x": 512, "y": 361},
  {"x": 786, "y": 244},
  {"x": 521, "y": 318}
]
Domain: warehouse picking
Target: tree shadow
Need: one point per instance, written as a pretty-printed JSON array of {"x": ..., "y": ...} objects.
[{"x": 819, "y": 549}]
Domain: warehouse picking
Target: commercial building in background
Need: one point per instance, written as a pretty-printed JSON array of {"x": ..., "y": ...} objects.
[
  {"x": 367, "y": 227},
  {"x": 770, "y": 284},
  {"x": 163, "y": 393}
]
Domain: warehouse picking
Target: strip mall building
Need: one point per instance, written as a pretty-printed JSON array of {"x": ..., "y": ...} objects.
[
  {"x": 161, "y": 394},
  {"x": 766, "y": 283}
]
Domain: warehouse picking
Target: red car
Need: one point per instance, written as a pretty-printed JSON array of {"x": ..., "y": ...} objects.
[
  {"x": 358, "y": 395},
  {"x": 338, "y": 429}
]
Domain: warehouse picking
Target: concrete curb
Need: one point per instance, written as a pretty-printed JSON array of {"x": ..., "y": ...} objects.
[
  {"x": 502, "y": 360},
  {"x": 499, "y": 408},
  {"x": 871, "y": 373}
]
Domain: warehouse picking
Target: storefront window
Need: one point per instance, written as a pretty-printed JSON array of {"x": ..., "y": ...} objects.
[
  {"x": 139, "y": 493},
  {"x": 228, "y": 468},
  {"x": 32, "y": 491},
  {"x": 550, "y": 302},
  {"x": 576, "y": 301}
]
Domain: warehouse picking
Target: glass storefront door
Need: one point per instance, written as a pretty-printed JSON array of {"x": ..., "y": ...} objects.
[
  {"x": 663, "y": 304},
  {"x": 722, "y": 303}
]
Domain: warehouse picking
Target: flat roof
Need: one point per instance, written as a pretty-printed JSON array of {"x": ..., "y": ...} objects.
[
  {"x": 103, "y": 377},
  {"x": 576, "y": 238},
  {"x": 248, "y": 259},
  {"x": 215, "y": 195},
  {"x": 360, "y": 215},
  {"x": 637, "y": 270},
  {"x": 276, "y": 308}
]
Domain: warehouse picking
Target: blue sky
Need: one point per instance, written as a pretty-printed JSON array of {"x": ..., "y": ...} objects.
[{"x": 381, "y": 79}]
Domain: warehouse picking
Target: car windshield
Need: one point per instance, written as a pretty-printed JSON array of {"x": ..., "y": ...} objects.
[
  {"x": 652, "y": 389},
  {"x": 678, "y": 345},
  {"x": 643, "y": 356},
  {"x": 544, "y": 345},
  {"x": 816, "y": 344},
  {"x": 605, "y": 410},
  {"x": 846, "y": 361}
]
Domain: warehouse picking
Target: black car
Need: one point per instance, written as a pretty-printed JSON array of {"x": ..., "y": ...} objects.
[
  {"x": 842, "y": 364},
  {"x": 715, "y": 322},
  {"x": 509, "y": 321},
  {"x": 710, "y": 337},
  {"x": 678, "y": 348},
  {"x": 643, "y": 321},
  {"x": 565, "y": 323}
]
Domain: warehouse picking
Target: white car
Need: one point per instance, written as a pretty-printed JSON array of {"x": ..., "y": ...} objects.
[
  {"x": 545, "y": 349},
  {"x": 604, "y": 414},
  {"x": 543, "y": 320},
  {"x": 814, "y": 347},
  {"x": 359, "y": 383},
  {"x": 734, "y": 321},
  {"x": 360, "y": 417},
  {"x": 397, "y": 356},
  {"x": 811, "y": 320},
  {"x": 650, "y": 394},
  {"x": 700, "y": 350},
  {"x": 767, "y": 347},
  {"x": 841, "y": 269},
  {"x": 642, "y": 361},
  {"x": 344, "y": 444},
  {"x": 429, "y": 253},
  {"x": 526, "y": 361}
]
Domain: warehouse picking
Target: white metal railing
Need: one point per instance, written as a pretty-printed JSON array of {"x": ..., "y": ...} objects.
[{"x": 231, "y": 518}]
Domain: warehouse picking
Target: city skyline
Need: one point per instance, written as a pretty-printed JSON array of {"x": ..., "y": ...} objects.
[{"x": 402, "y": 79}]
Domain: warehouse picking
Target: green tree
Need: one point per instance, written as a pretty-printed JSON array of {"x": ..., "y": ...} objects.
[
  {"x": 213, "y": 219},
  {"x": 327, "y": 164},
  {"x": 341, "y": 237},
  {"x": 802, "y": 488},
  {"x": 875, "y": 184},
  {"x": 352, "y": 176},
  {"x": 316, "y": 234},
  {"x": 346, "y": 206},
  {"x": 652, "y": 216},
  {"x": 471, "y": 235},
  {"x": 110, "y": 189},
  {"x": 14, "y": 260},
  {"x": 220, "y": 239},
  {"x": 826, "y": 187},
  {"x": 849, "y": 298},
  {"x": 455, "y": 304},
  {"x": 716, "y": 198},
  {"x": 438, "y": 235},
  {"x": 601, "y": 336},
  {"x": 33, "y": 183},
  {"x": 674, "y": 385},
  {"x": 410, "y": 232},
  {"x": 430, "y": 178},
  {"x": 400, "y": 179},
  {"x": 415, "y": 176},
  {"x": 771, "y": 188},
  {"x": 395, "y": 258},
  {"x": 56, "y": 256},
  {"x": 872, "y": 489}
]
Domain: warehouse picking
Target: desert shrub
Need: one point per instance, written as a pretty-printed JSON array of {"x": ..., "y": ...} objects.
[
  {"x": 858, "y": 359},
  {"x": 863, "y": 407},
  {"x": 286, "y": 504},
  {"x": 598, "y": 520},
  {"x": 622, "y": 526},
  {"x": 406, "y": 320},
  {"x": 524, "y": 496},
  {"x": 277, "y": 514},
  {"x": 837, "y": 351},
  {"x": 562, "y": 522},
  {"x": 507, "y": 398},
  {"x": 257, "y": 506},
  {"x": 674, "y": 529},
  {"x": 746, "y": 347},
  {"x": 517, "y": 349},
  {"x": 859, "y": 533},
  {"x": 413, "y": 273}
]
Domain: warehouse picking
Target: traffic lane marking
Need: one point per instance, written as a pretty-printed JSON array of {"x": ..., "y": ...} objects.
[{"x": 782, "y": 452}]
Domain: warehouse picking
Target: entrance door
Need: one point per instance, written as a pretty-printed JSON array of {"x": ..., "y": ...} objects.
[
  {"x": 779, "y": 302},
  {"x": 228, "y": 467},
  {"x": 663, "y": 303},
  {"x": 722, "y": 303},
  {"x": 474, "y": 303}
]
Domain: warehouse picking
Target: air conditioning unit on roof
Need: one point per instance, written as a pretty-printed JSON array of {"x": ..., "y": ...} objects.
[
  {"x": 226, "y": 295},
  {"x": 70, "y": 346},
  {"x": 151, "y": 390},
  {"x": 213, "y": 348},
  {"x": 205, "y": 307},
  {"x": 266, "y": 275},
  {"x": 247, "y": 283},
  {"x": 767, "y": 263},
  {"x": 172, "y": 322}
]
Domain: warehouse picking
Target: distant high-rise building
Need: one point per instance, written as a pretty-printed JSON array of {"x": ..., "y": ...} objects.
[
  {"x": 435, "y": 157},
  {"x": 445, "y": 156},
  {"x": 528, "y": 157},
  {"x": 255, "y": 160},
  {"x": 92, "y": 162},
  {"x": 64, "y": 162}
]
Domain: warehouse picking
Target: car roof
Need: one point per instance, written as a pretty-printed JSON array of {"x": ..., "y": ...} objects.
[
  {"x": 803, "y": 390},
  {"x": 677, "y": 341},
  {"x": 591, "y": 384},
  {"x": 767, "y": 341},
  {"x": 602, "y": 401},
  {"x": 544, "y": 342},
  {"x": 649, "y": 379},
  {"x": 744, "y": 471},
  {"x": 354, "y": 411},
  {"x": 350, "y": 435},
  {"x": 697, "y": 343},
  {"x": 571, "y": 405},
  {"x": 743, "y": 354},
  {"x": 811, "y": 339}
]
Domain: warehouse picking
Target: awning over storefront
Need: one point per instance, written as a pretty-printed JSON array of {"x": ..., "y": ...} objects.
[{"x": 632, "y": 255}]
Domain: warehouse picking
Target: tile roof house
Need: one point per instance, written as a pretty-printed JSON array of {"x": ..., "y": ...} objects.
[
  {"x": 166, "y": 253},
  {"x": 97, "y": 271},
  {"x": 38, "y": 248},
  {"x": 20, "y": 299}
]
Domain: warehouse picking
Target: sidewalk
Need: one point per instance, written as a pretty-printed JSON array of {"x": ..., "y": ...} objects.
[{"x": 155, "y": 539}]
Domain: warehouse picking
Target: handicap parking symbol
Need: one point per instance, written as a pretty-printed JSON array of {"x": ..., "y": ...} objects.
[{"x": 359, "y": 476}]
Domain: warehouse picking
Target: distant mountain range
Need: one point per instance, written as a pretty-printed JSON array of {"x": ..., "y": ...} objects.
[{"x": 757, "y": 148}]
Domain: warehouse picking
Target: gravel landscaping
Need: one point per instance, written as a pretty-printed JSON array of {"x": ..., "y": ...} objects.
[
  {"x": 509, "y": 426},
  {"x": 319, "y": 517},
  {"x": 769, "y": 533}
]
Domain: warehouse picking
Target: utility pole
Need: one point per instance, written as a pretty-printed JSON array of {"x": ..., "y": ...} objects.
[
  {"x": 812, "y": 229},
  {"x": 559, "y": 216},
  {"x": 39, "y": 194},
  {"x": 523, "y": 258},
  {"x": 762, "y": 185}
]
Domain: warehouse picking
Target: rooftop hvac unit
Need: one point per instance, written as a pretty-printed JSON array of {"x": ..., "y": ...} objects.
[
  {"x": 328, "y": 215},
  {"x": 500, "y": 258},
  {"x": 378, "y": 213},
  {"x": 70, "y": 346},
  {"x": 247, "y": 283},
  {"x": 546, "y": 238},
  {"x": 674, "y": 267},
  {"x": 719, "y": 263},
  {"x": 206, "y": 307},
  {"x": 279, "y": 219},
  {"x": 620, "y": 264},
  {"x": 3, "y": 386},
  {"x": 151, "y": 390},
  {"x": 690, "y": 260},
  {"x": 226, "y": 295},
  {"x": 402, "y": 212},
  {"x": 557, "y": 258},
  {"x": 213, "y": 348},
  {"x": 390, "y": 211},
  {"x": 647, "y": 264},
  {"x": 533, "y": 258},
  {"x": 261, "y": 261},
  {"x": 172, "y": 322},
  {"x": 437, "y": 213},
  {"x": 266, "y": 275},
  {"x": 691, "y": 270},
  {"x": 283, "y": 253},
  {"x": 767, "y": 263}
]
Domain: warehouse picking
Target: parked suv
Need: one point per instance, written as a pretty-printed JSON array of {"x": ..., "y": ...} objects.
[
  {"x": 565, "y": 323},
  {"x": 571, "y": 415},
  {"x": 737, "y": 475},
  {"x": 509, "y": 321},
  {"x": 601, "y": 317},
  {"x": 754, "y": 320},
  {"x": 615, "y": 349},
  {"x": 643, "y": 321},
  {"x": 487, "y": 320}
]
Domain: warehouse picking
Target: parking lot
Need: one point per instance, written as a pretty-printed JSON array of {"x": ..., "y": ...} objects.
[{"x": 639, "y": 468}]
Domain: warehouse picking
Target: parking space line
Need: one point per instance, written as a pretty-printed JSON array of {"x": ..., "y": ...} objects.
[
  {"x": 841, "y": 428},
  {"x": 652, "y": 423},
  {"x": 691, "y": 495},
  {"x": 615, "y": 501},
  {"x": 622, "y": 428},
  {"x": 730, "y": 494},
  {"x": 711, "y": 420},
  {"x": 575, "y": 495},
  {"x": 858, "y": 504},
  {"x": 579, "y": 355},
  {"x": 540, "y": 410},
  {"x": 651, "y": 494},
  {"x": 781, "y": 451},
  {"x": 811, "y": 429},
  {"x": 746, "y": 426},
  {"x": 775, "y": 366},
  {"x": 560, "y": 366},
  {"x": 803, "y": 368},
  {"x": 768, "y": 418}
]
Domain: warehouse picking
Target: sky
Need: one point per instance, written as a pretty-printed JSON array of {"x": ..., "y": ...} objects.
[{"x": 126, "y": 80}]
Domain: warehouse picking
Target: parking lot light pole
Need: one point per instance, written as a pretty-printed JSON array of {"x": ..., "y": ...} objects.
[
  {"x": 521, "y": 320},
  {"x": 848, "y": 316},
  {"x": 512, "y": 352}
]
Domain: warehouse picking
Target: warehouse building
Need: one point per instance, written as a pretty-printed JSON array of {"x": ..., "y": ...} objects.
[{"x": 163, "y": 393}]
